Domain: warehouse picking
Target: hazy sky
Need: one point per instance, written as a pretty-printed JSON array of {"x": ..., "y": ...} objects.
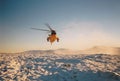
[{"x": 79, "y": 24}]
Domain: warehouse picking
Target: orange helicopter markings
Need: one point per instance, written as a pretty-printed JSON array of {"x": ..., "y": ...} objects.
[{"x": 52, "y": 38}]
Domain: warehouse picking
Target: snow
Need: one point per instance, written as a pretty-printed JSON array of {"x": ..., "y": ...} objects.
[{"x": 49, "y": 66}]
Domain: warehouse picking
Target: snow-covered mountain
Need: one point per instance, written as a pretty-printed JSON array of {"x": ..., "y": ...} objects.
[
  {"x": 59, "y": 65},
  {"x": 93, "y": 50}
]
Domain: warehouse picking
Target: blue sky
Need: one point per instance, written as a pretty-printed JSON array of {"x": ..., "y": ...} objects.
[{"x": 80, "y": 24}]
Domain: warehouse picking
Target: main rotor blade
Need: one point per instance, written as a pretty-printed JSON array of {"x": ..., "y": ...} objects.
[
  {"x": 48, "y": 26},
  {"x": 40, "y": 29}
]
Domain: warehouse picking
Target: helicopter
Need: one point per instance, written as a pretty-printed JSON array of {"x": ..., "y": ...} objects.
[{"x": 52, "y": 37}]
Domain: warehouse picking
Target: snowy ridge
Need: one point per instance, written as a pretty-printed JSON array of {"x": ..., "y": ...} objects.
[
  {"x": 45, "y": 66},
  {"x": 93, "y": 50}
]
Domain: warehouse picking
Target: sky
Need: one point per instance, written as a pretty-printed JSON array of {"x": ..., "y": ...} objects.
[{"x": 79, "y": 24}]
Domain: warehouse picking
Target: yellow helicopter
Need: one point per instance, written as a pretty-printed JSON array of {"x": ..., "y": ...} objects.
[{"x": 51, "y": 37}]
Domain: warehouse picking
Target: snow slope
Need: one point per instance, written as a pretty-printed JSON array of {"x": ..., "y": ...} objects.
[{"x": 38, "y": 65}]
